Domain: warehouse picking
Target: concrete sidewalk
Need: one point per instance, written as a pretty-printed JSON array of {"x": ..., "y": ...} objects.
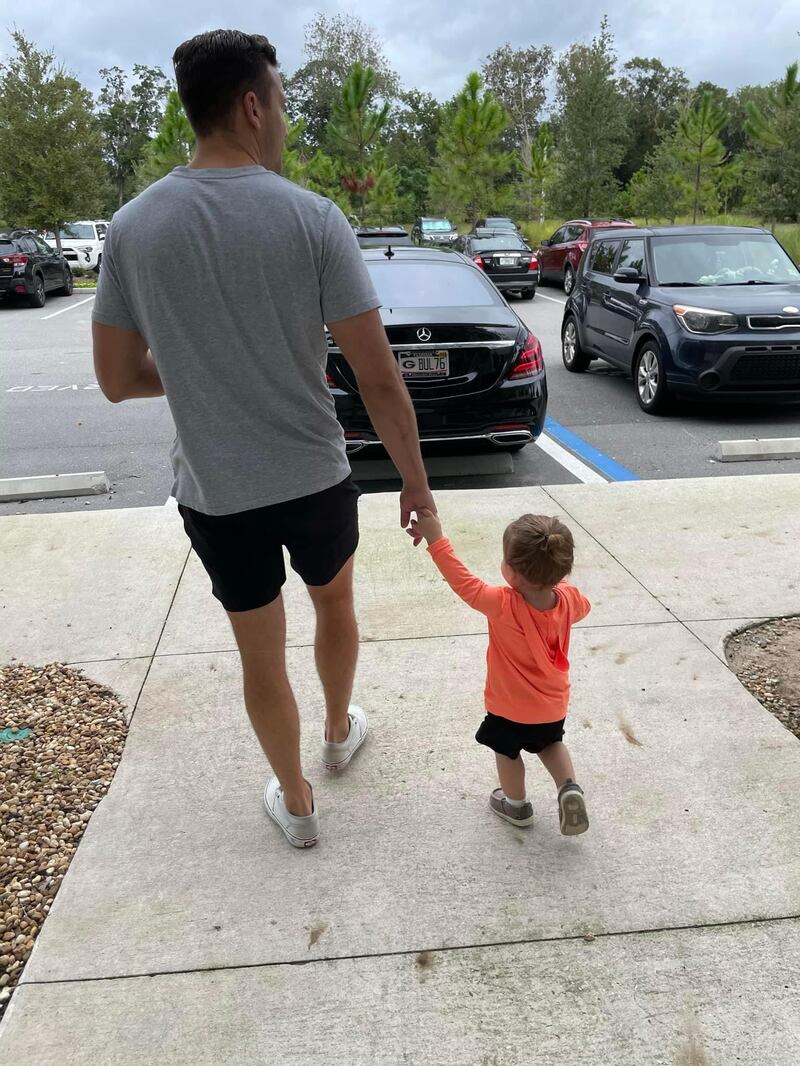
[{"x": 188, "y": 932}]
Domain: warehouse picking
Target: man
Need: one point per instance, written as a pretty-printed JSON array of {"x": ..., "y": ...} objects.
[{"x": 215, "y": 288}]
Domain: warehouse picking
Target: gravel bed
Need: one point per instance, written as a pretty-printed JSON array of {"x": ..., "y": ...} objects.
[
  {"x": 61, "y": 737},
  {"x": 766, "y": 659}
]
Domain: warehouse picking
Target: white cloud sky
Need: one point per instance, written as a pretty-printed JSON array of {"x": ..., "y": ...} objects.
[{"x": 432, "y": 44}]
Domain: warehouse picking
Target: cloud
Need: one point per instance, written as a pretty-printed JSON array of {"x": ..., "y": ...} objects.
[{"x": 432, "y": 44}]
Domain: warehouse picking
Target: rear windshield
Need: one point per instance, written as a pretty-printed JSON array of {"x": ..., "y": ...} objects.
[
  {"x": 436, "y": 224},
  {"x": 431, "y": 285},
  {"x": 506, "y": 241},
  {"x": 500, "y": 223},
  {"x": 78, "y": 231},
  {"x": 7, "y": 248},
  {"x": 722, "y": 259}
]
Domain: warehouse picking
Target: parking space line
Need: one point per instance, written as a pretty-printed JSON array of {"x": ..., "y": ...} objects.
[
  {"x": 570, "y": 462},
  {"x": 65, "y": 309},
  {"x": 541, "y": 296},
  {"x": 578, "y": 446}
]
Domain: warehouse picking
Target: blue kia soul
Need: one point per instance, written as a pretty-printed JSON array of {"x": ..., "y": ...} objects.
[{"x": 709, "y": 311}]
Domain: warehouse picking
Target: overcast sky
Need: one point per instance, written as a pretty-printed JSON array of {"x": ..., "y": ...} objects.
[{"x": 432, "y": 44}]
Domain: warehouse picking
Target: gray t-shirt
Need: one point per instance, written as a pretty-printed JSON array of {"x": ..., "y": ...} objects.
[{"x": 230, "y": 275}]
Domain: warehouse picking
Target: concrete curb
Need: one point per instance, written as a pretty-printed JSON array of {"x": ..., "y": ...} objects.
[
  {"x": 50, "y": 486},
  {"x": 740, "y": 451}
]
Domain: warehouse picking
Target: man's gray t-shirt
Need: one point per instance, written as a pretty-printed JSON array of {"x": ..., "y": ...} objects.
[{"x": 230, "y": 275}]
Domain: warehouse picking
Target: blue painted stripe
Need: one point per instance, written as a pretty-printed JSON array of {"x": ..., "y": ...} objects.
[{"x": 584, "y": 450}]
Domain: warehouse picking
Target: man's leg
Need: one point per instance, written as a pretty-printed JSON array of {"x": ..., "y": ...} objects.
[
  {"x": 261, "y": 638},
  {"x": 336, "y": 648}
]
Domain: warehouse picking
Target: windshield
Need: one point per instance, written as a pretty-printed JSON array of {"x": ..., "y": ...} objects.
[
  {"x": 500, "y": 223},
  {"x": 437, "y": 224},
  {"x": 78, "y": 231},
  {"x": 417, "y": 284},
  {"x": 722, "y": 259},
  {"x": 509, "y": 241}
]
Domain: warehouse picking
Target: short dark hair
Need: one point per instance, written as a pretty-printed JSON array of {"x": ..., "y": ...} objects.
[
  {"x": 215, "y": 68},
  {"x": 539, "y": 548}
]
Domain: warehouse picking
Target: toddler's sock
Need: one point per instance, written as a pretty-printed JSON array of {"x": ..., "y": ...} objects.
[{"x": 515, "y": 803}]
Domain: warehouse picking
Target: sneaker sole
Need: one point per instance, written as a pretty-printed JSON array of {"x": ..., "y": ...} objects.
[
  {"x": 521, "y": 822},
  {"x": 337, "y": 766},
  {"x": 296, "y": 842},
  {"x": 574, "y": 819}
]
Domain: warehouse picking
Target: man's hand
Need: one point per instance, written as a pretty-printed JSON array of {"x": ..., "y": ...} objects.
[
  {"x": 426, "y": 525},
  {"x": 414, "y": 501}
]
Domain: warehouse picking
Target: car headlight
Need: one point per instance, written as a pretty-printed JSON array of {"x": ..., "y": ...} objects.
[{"x": 705, "y": 320}]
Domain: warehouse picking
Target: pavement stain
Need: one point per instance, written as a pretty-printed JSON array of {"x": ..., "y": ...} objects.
[
  {"x": 625, "y": 728},
  {"x": 316, "y": 932},
  {"x": 424, "y": 964}
]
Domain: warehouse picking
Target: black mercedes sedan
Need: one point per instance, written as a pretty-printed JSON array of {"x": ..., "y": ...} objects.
[
  {"x": 507, "y": 260},
  {"x": 474, "y": 370},
  {"x": 705, "y": 311}
]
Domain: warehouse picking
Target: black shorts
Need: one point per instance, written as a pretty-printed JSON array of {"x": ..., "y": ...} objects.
[
  {"x": 510, "y": 738},
  {"x": 243, "y": 552}
]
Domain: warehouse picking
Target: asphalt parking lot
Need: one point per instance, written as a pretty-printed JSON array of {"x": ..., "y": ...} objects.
[{"x": 54, "y": 419}]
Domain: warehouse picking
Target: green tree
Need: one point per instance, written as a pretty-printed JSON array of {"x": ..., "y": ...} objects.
[
  {"x": 653, "y": 96},
  {"x": 540, "y": 167},
  {"x": 333, "y": 43},
  {"x": 592, "y": 133},
  {"x": 774, "y": 127},
  {"x": 51, "y": 164},
  {"x": 172, "y": 146},
  {"x": 129, "y": 115},
  {"x": 518, "y": 79},
  {"x": 470, "y": 165},
  {"x": 355, "y": 128},
  {"x": 657, "y": 189},
  {"x": 411, "y": 137},
  {"x": 700, "y": 148}
]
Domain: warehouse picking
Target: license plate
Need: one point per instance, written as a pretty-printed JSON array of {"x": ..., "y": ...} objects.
[
  {"x": 424, "y": 364},
  {"x": 507, "y": 261}
]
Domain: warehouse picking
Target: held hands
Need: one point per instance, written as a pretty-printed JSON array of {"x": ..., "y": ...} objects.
[
  {"x": 415, "y": 501},
  {"x": 425, "y": 526}
]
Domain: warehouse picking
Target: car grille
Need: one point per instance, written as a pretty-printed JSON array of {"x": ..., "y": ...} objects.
[
  {"x": 774, "y": 321},
  {"x": 768, "y": 364}
]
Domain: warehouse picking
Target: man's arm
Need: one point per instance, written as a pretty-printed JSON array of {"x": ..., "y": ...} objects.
[
  {"x": 123, "y": 364},
  {"x": 362, "y": 341}
]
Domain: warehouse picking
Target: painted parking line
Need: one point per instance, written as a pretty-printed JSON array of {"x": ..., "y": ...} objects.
[
  {"x": 64, "y": 310},
  {"x": 553, "y": 300},
  {"x": 571, "y": 463},
  {"x": 612, "y": 470}
]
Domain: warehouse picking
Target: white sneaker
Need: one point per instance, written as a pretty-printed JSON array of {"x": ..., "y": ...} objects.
[
  {"x": 302, "y": 831},
  {"x": 338, "y": 756}
]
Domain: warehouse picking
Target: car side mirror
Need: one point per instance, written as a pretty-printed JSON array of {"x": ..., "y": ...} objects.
[
  {"x": 629, "y": 275},
  {"x": 545, "y": 244}
]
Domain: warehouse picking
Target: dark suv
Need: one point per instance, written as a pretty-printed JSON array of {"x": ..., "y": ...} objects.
[
  {"x": 30, "y": 268},
  {"x": 560, "y": 256},
  {"x": 710, "y": 311},
  {"x": 430, "y": 232}
]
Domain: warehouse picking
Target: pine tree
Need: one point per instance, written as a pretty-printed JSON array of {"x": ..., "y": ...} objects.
[
  {"x": 356, "y": 128},
  {"x": 775, "y": 129},
  {"x": 700, "y": 147},
  {"x": 173, "y": 145}
]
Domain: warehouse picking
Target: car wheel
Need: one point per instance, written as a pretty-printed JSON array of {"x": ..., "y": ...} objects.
[
  {"x": 574, "y": 357},
  {"x": 99, "y": 261},
  {"x": 68, "y": 286},
  {"x": 650, "y": 380},
  {"x": 38, "y": 297},
  {"x": 528, "y": 294},
  {"x": 569, "y": 279}
]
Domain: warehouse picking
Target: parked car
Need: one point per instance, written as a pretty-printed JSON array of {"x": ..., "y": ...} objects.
[
  {"x": 561, "y": 254},
  {"x": 30, "y": 268},
  {"x": 82, "y": 243},
  {"x": 474, "y": 370},
  {"x": 433, "y": 231},
  {"x": 708, "y": 311},
  {"x": 507, "y": 260},
  {"x": 382, "y": 236},
  {"x": 496, "y": 224}
]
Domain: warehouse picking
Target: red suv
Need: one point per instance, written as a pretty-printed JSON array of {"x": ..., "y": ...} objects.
[{"x": 560, "y": 256}]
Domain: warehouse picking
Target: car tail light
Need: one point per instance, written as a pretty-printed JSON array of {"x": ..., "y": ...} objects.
[
  {"x": 534, "y": 264},
  {"x": 478, "y": 261},
  {"x": 329, "y": 380},
  {"x": 530, "y": 361}
]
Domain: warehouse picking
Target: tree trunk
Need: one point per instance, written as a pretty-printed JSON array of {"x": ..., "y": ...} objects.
[
  {"x": 57, "y": 232},
  {"x": 696, "y": 190},
  {"x": 121, "y": 200}
]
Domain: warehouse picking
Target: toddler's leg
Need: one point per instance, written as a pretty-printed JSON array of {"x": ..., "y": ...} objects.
[
  {"x": 571, "y": 806},
  {"x": 558, "y": 763},
  {"x": 512, "y": 777}
]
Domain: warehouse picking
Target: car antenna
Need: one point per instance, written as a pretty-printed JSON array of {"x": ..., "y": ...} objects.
[{"x": 389, "y": 253}]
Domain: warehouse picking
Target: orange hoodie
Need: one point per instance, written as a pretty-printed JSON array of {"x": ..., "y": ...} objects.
[{"x": 527, "y": 664}]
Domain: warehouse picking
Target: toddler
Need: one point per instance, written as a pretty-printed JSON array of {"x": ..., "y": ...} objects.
[{"x": 527, "y": 675}]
